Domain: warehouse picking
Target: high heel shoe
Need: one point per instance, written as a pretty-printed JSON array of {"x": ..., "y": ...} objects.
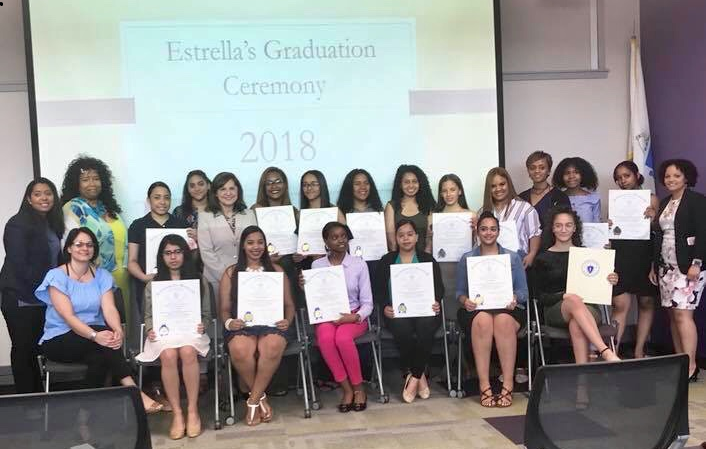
[
  {"x": 423, "y": 390},
  {"x": 265, "y": 409},
  {"x": 695, "y": 375},
  {"x": 176, "y": 432},
  {"x": 408, "y": 396},
  {"x": 359, "y": 406},
  {"x": 252, "y": 417},
  {"x": 193, "y": 429}
]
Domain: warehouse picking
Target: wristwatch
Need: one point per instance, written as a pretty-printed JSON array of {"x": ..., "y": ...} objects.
[
  {"x": 93, "y": 336},
  {"x": 697, "y": 263}
]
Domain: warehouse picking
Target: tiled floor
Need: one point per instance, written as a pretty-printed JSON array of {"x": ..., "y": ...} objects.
[{"x": 437, "y": 422}]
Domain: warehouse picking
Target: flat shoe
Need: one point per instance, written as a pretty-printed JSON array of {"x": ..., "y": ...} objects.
[
  {"x": 423, "y": 392},
  {"x": 192, "y": 431},
  {"x": 154, "y": 407},
  {"x": 176, "y": 433},
  {"x": 406, "y": 395}
]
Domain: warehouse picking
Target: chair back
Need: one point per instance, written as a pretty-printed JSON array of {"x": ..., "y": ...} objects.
[
  {"x": 104, "y": 417},
  {"x": 120, "y": 304},
  {"x": 641, "y": 404}
]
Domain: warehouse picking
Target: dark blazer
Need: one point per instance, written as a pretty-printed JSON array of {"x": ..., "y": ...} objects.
[
  {"x": 689, "y": 224},
  {"x": 27, "y": 258},
  {"x": 381, "y": 290}
]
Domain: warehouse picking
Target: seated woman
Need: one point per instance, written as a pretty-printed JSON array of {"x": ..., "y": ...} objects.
[
  {"x": 500, "y": 325},
  {"x": 174, "y": 263},
  {"x": 414, "y": 336},
  {"x": 337, "y": 338},
  {"x": 562, "y": 308},
  {"x": 255, "y": 351},
  {"x": 79, "y": 298}
]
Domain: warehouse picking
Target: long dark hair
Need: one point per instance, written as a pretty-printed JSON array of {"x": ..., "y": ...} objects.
[
  {"x": 631, "y": 167},
  {"x": 424, "y": 197},
  {"x": 219, "y": 181},
  {"x": 243, "y": 260},
  {"x": 262, "y": 199},
  {"x": 589, "y": 178},
  {"x": 440, "y": 203},
  {"x": 69, "y": 188},
  {"x": 71, "y": 237},
  {"x": 55, "y": 215},
  {"x": 323, "y": 190},
  {"x": 187, "y": 208},
  {"x": 345, "y": 196},
  {"x": 548, "y": 238},
  {"x": 188, "y": 268}
]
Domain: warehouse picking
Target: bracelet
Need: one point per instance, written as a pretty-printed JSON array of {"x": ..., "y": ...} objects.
[
  {"x": 93, "y": 336},
  {"x": 227, "y": 323}
]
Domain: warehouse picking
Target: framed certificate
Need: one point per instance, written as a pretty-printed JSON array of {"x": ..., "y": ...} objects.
[
  {"x": 452, "y": 236},
  {"x": 595, "y": 235},
  {"x": 490, "y": 281},
  {"x": 412, "y": 288},
  {"x": 153, "y": 237},
  {"x": 326, "y": 293},
  {"x": 311, "y": 222},
  {"x": 369, "y": 240},
  {"x": 278, "y": 224},
  {"x": 626, "y": 210},
  {"x": 176, "y": 307},
  {"x": 260, "y": 297},
  {"x": 588, "y": 274}
]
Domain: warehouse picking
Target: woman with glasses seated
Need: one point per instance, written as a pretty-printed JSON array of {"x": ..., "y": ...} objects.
[
  {"x": 174, "y": 263},
  {"x": 495, "y": 325},
  {"x": 82, "y": 324}
]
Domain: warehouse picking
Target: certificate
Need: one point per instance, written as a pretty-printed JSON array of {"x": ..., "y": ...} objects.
[
  {"x": 326, "y": 293},
  {"x": 369, "y": 239},
  {"x": 260, "y": 297},
  {"x": 595, "y": 235},
  {"x": 176, "y": 307},
  {"x": 626, "y": 209},
  {"x": 508, "y": 237},
  {"x": 452, "y": 236},
  {"x": 412, "y": 288},
  {"x": 311, "y": 222},
  {"x": 588, "y": 274},
  {"x": 153, "y": 237},
  {"x": 490, "y": 281},
  {"x": 278, "y": 224}
]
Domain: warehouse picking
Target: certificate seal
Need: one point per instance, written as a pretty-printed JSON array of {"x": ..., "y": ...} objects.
[
  {"x": 590, "y": 268},
  {"x": 271, "y": 249},
  {"x": 306, "y": 247},
  {"x": 478, "y": 300},
  {"x": 163, "y": 330},
  {"x": 402, "y": 309},
  {"x": 359, "y": 251},
  {"x": 617, "y": 231},
  {"x": 441, "y": 253},
  {"x": 248, "y": 317},
  {"x": 317, "y": 314}
]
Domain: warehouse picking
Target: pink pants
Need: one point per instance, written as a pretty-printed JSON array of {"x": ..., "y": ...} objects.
[{"x": 339, "y": 351}]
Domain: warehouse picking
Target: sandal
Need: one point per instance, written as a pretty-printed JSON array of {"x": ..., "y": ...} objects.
[
  {"x": 504, "y": 399},
  {"x": 252, "y": 417},
  {"x": 265, "y": 409},
  {"x": 487, "y": 398},
  {"x": 154, "y": 407},
  {"x": 359, "y": 406}
]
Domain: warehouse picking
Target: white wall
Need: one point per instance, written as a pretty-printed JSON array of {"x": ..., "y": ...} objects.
[{"x": 563, "y": 117}]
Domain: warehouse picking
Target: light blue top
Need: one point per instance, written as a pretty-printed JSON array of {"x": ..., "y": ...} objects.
[
  {"x": 85, "y": 298},
  {"x": 587, "y": 207},
  {"x": 519, "y": 280}
]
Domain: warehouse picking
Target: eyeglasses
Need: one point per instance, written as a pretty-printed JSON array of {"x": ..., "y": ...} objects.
[
  {"x": 176, "y": 252},
  {"x": 273, "y": 182},
  {"x": 88, "y": 245},
  {"x": 310, "y": 185}
]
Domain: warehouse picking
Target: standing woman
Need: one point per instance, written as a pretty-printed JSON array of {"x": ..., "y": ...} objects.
[
  {"x": 359, "y": 193},
  {"x": 194, "y": 198},
  {"x": 679, "y": 253},
  {"x": 542, "y": 195},
  {"x": 633, "y": 260},
  {"x": 314, "y": 193},
  {"x": 255, "y": 351},
  {"x": 501, "y": 199},
  {"x": 89, "y": 201},
  {"x": 160, "y": 199},
  {"x": 220, "y": 226},
  {"x": 500, "y": 325},
  {"x": 579, "y": 180},
  {"x": 411, "y": 198},
  {"x": 414, "y": 336},
  {"x": 32, "y": 242},
  {"x": 337, "y": 338},
  {"x": 273, "y": 189},
  {"x": 174, "y": 263}
]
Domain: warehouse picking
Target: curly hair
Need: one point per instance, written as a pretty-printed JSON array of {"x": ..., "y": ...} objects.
[
  {"x": 69, "y": 188},
  {"x": 424, "y": 197},
  {"x": 548, "y": 237},
  {"x": 589, "y": 178},
  {"x": 440, "y": 203},
  {"x": 685, "y": 166},
  {"x": 345, "y": 197},
  {"x": 55, "y": 216},
  {"x": 631, "y": 167},
  {"x": 323, "y": 190},
  {"x": 188, "y": 268}
]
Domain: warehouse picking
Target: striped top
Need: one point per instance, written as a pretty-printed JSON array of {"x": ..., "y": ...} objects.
[{"x": 525, "y": 217}]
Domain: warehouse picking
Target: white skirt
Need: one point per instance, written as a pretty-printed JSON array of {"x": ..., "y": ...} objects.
[{"x": 152, "y": 349}]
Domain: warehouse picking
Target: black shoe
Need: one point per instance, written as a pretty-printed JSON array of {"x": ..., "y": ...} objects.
[
  {"x": 345, "y": 408},
  {"x": 695, "y": 376},
  {"x": 359, "y": 406}
]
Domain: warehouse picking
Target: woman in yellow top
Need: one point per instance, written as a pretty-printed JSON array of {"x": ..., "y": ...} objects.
[{"x": 89, "y": 201}]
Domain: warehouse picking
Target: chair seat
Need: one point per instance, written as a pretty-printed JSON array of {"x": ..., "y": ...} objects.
[
  {"x": 293, "y": 348},
  {"x": 606, "y": 330},
  {"x": 65, "y": 368}
]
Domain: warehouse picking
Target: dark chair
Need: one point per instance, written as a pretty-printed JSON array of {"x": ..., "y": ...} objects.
[
  {"x": 104, "y": 417},
  {"x": 640, "y": 404}
]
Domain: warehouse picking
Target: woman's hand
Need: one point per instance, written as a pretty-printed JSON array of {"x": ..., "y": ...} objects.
[
  {"x": 347, "y": 318},
  {"x": 653, "y": 277},
  {"x": 117, "y": 341},
  {"x": 528, "y": 261},
  {"x": 650, "y": 212},
  {"x": 568, "y": 296},
  {"x": 513, "y": 303},
  {"x": 236, "y": 325},
  {"x": 192, "y": 234},
  {"x": 104, "y": 338},
  {"x": 389, "y": 312},
  {"x": 469, "y": 305},
  {"x": 282, "y": 325},
  {"x": 200, "y": 328},
  {"x": 149, "y": 277},
  {"x": 613, "y": 278},
  {"x": 275, "y": 257},
  {"x": 302, "y": 281},
  {"x": 436, "y": 307},
  {"x": 151, "y": 335},
  {"x": 693, "y": 273},
  {"x": 298, "y": 257}
]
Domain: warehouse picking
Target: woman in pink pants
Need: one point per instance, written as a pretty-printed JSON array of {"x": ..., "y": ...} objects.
[{"x": 336, "y": 338}]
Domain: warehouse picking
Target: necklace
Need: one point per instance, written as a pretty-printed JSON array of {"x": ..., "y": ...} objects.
[
  {"x": 76, "y": 272},
  {"x": 539, "y": 192}
]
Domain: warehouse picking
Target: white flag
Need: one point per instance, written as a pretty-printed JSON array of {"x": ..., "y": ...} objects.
[{"x": 639, "y": 145}]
